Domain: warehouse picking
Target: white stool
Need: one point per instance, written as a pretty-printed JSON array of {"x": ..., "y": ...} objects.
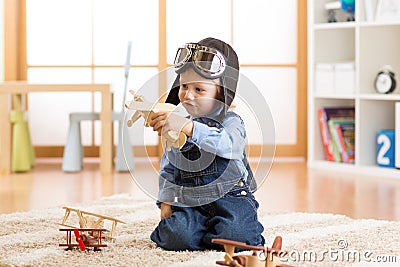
[{"x": 73, "y": 150}]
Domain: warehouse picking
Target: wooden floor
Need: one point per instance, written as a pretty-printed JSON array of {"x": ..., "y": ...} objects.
[{"x": 290, "y": 186}]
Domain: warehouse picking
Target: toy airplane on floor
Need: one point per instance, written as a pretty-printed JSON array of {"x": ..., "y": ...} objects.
[
  {"x": 269, "y": 257},
  {"x": 91, "y": 222},
  {"x": 146, "y": 109}
]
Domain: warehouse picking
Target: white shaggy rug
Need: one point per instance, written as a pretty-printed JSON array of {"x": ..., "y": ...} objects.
[{"x": 32, "y": 238}]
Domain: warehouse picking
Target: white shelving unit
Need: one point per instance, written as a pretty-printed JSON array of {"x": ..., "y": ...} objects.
[{"x": 370, "y": 45}]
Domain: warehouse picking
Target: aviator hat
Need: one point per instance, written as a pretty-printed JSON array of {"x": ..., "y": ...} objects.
[{"x": 229, "y": 78}]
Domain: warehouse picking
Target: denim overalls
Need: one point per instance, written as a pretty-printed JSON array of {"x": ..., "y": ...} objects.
[{"x": 212, "y": 201}]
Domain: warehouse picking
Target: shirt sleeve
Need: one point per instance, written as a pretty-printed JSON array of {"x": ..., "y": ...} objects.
[{"x": 227, "y": 141}]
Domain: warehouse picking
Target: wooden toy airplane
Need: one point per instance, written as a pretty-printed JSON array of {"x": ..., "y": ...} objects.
[
  {"x": 88, "y": 222},
  {"x": 270, "y": 257},
  {"x": 84, "y": 240},
  {"x": 146, "y": 109}
]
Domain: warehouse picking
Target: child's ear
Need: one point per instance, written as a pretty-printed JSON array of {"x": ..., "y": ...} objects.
[{"x": 173, "y": 93}]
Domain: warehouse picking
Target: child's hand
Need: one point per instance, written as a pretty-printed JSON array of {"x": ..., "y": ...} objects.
[
  {"x": 166, "y": 210},
  {"x": 163, "y": 122}
]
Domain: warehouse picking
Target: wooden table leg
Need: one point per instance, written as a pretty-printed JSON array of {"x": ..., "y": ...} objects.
[
  {"x": 106, "y": 159},
  {"x": 5, "y": 135}
]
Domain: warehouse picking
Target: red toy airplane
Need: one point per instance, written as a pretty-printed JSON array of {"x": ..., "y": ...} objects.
[
  {"x": 84, "y": 239},
  {"x": 79, "y": 239}
]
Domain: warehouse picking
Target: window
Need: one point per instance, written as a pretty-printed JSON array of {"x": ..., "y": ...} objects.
[
  {"x": 83, "y": 41},
  {"x": 264, "y": 35}
]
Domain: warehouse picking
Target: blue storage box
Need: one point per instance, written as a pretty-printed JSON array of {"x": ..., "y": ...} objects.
[{"x": 385, "y": 148}]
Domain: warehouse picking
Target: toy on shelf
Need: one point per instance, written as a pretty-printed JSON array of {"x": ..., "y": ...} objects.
[
  {"x": 346, "y": 5},
  {"x": 86, "y": 222},
  {"x": 83, "y": 239},
  {"x": 261, "y": 257},
  {"x": 349, "y": 6},
  {"x": 146, "y": 109}
]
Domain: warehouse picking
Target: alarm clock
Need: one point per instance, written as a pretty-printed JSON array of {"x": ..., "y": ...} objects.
[{"x": 385, "y": 82}]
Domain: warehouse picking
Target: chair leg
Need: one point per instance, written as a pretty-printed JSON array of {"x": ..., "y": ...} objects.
[
  {"x": 80, "y": 145},
  {"x": 31, "y": 150},
  {"x": 124, "y": 158},
  {"x": 73, "y": 151}
]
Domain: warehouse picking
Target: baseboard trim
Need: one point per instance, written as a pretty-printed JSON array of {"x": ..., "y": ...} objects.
[{"x": 92, "y": 151}]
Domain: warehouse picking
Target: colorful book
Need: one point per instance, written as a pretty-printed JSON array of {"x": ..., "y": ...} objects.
[
  {"x": 345, "y": 132},
  {"x": 324, "y": 115},
  {"x": 397, "y": 135},
  {"x": 337, "y": 150}
]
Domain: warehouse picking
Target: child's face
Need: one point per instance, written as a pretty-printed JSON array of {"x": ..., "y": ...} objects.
[{"x": 197, "y": 94}]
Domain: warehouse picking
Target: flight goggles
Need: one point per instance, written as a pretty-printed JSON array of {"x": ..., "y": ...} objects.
[{"x": 208, "y": 62}]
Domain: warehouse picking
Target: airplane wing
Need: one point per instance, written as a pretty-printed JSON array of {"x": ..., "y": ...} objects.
[{"x": 147, "y": 106}]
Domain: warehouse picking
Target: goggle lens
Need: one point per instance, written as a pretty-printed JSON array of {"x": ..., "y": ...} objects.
[
  {"x": 209, "y": 62},
  {"x": 182, "y": 55}
]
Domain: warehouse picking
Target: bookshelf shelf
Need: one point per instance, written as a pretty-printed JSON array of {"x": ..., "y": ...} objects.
[
  {"x": 330, "y": 26},
  {"x": 378, "y": 24},
  {"x": 356, "y": 42},
  {"x": 334, "y": 96},
  {"x": 389, "y": 97},
  {"x": 357, "y": 169}
]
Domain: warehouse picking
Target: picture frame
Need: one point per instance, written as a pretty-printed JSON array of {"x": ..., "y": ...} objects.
[{"x": 388, "y": 11}]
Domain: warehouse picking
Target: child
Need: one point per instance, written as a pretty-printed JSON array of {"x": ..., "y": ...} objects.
[{"x": 206, "y": 186}]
